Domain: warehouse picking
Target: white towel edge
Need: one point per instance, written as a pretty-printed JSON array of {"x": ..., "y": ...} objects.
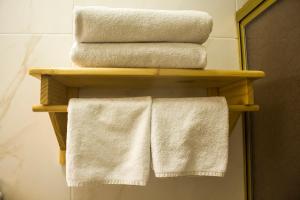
[
  {"x": 189, "y": 173},
  {"x": 101, "y": 182}
]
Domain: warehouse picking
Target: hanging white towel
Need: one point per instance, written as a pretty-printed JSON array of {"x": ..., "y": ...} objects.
[
  {"x": 163, "y": 55},
  {"x": 102, "y": 24},
  {"x": 189, "y": 136},
  {"x": 108, "y": 141}
]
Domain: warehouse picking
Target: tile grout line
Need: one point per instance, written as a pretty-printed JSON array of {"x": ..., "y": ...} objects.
[
  {"x": 68, "y": 34},
  {"x": 36, "y": 33}
]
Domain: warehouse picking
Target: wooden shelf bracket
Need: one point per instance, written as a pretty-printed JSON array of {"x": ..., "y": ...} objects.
[{"x": 59, "y": 85}]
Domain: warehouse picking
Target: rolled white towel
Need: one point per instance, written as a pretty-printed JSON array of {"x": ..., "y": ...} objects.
[
  {"x": 163, "y": 55},
  {"x": 102, "y": 24}
]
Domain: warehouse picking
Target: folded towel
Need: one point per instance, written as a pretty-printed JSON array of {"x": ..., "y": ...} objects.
[
  {"x": 101, "y": 24},
  {"x": 164, "y": 55},
  {"x": 108, "y": 141},
  {"x": 189, "y": 136}
]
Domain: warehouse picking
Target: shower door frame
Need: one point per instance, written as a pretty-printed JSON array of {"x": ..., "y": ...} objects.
[{"x": 244, "y": 16}]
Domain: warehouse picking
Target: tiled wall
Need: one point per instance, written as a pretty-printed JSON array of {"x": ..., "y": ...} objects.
[{"x": 39, "y": 33}]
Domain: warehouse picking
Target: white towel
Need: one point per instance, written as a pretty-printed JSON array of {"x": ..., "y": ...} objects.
[
  {"x": 189, "y": 136},
  {"x": 101, "y": 24},
  {"x": 163, "y": 55},
  {"x": 108, "y": 141}
]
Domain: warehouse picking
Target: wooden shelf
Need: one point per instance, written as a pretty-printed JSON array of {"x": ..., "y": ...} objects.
[
  {"x": 38, "y": 71},
  {"x": 58, "y": 85},
  {"x": 144, "y": 77}
]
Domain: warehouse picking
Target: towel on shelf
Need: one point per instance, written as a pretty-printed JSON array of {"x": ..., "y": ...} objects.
[
  {"x": 108, "y": 141},
  {"x": 189, "y": 136},
  {"x": 163, "y": 55},
  {"x": 102, "y": 24}
]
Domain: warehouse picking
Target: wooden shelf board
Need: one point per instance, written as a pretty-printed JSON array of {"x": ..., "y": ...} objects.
[
  {"x": 37, "y": 71},
  {"x": 144, "y": 77}
]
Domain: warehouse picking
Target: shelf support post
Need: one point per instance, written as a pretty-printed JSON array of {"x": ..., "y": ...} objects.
[
  {"x": 55, "y": 93},
  {"x": 52, "y": 91},
  {"x": 59, "y": 123},
  {"x": 233, "y": 116},
  {"x": 239, "y": 92}
]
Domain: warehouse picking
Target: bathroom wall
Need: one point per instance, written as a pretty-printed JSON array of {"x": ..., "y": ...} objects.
[{"x": 39, "y": 33}]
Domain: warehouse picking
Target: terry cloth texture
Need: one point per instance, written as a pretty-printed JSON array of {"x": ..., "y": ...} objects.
[
  {"x": 189, "y": 136},
  {"x": 162, "y": 55},
  {"x": 108, "y": 141},
  {"x": 102, "y": 24}
]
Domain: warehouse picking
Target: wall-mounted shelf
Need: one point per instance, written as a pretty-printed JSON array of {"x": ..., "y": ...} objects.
[{"x": 58, "y": 85}]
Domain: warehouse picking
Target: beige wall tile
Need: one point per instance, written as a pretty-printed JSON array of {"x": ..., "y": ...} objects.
[
  {"x": 29, "y": 166},
  {"x": 18, "y": 52},
  {"x": 222, "y": 53},
  {"x": 36, "y": 16}
]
